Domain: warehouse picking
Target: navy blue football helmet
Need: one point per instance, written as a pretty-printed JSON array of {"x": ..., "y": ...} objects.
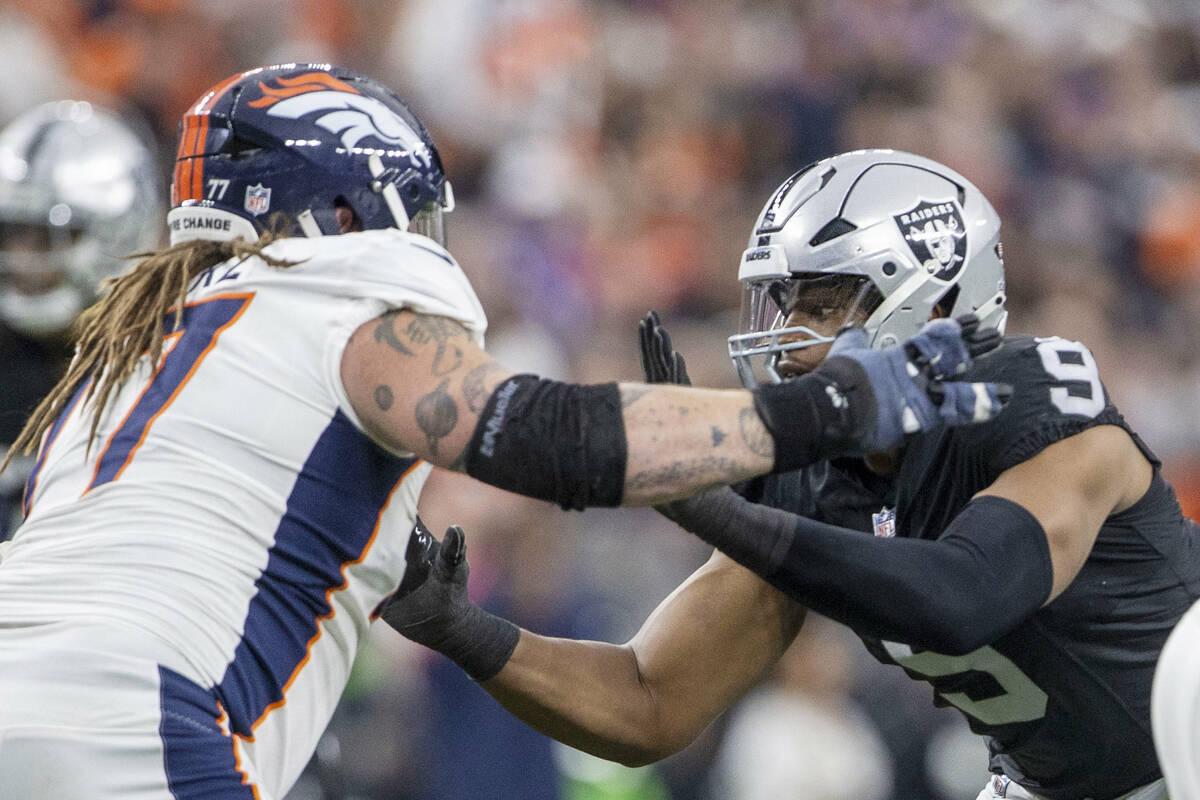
[{"x": 304, "y": 139}]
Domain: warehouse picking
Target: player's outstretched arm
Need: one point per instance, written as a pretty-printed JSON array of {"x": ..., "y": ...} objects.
[
  {"x": 707, "y": 644},
  {"x": 421, "y": 384},
  {"x": 1017, "y": 545}
]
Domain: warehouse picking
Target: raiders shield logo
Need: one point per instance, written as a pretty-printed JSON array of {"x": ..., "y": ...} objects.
[{"x": 936, "y": 235}]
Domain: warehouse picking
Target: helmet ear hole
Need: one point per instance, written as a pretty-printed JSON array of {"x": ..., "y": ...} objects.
[
  {"x": 943, "y": 307},
  {"x": 347, "y": 218}
]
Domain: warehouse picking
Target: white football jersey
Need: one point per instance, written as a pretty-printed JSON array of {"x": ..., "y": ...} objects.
[{"x": 232, "y": 517}]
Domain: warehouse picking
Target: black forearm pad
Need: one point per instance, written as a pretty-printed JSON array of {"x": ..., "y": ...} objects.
[
  {"x": 989, "y": 570},
  {"x": 551, "y": 440},
  {"x": 811, "y": 418}
]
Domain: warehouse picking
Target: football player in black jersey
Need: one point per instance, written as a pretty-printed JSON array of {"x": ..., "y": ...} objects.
[{"x": 1029, "y": 568}]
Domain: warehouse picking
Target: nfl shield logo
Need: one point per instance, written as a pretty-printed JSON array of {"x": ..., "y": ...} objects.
[
  {"x": 885, "y": 522},
  {"x": 258, "y": 199}
]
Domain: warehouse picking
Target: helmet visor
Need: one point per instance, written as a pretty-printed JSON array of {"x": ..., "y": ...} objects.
[{"x": 783, "y": 314}]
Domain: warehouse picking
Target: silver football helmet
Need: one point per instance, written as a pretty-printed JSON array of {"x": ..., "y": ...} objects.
[
  {"x": 79, "y": 193},
  {"x": 876, "y": 237}
]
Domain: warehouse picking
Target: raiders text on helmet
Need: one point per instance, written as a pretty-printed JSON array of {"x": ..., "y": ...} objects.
[
  {"x": 884, "y": 235},
  {"x": 302, "y": 139}
]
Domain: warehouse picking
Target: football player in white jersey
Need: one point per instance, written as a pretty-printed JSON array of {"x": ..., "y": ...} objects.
[{"x": 227, "y": 477}]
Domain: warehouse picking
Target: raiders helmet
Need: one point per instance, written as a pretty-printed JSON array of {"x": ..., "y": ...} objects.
[
  {"x": 79, "y": 192},
  {"x": 303, "y": 139},
  {"x": 877, "y": 237}
]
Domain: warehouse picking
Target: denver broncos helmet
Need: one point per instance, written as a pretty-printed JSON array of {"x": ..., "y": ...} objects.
[
  {"x": 304, "y": 139},
  {"x": 874, "y": 237}
]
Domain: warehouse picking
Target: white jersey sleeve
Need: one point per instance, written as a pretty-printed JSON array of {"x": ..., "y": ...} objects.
[
  {"x": 379, "y": 271},
  {"x": 396, "y": 269}
]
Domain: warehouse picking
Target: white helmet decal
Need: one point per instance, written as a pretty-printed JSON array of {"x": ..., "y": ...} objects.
[{"x": 355, "y": 117}]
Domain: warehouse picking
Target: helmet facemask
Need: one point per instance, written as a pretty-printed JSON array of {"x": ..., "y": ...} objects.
[{"x": 785, "y": 314}]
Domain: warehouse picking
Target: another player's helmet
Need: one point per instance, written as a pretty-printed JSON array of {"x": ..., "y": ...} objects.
[
  {"x": 878, "y": 236},
  {"x": 302, "y": 139},
  {"x": 79, "y": 193}
]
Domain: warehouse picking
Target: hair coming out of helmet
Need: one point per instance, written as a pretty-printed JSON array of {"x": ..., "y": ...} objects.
[{"x": 127, "y": 322}]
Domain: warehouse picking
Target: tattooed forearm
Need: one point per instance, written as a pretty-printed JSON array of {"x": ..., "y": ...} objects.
[
  {"x": 670, "y": 477},
  {"x": 436, "y": 414},
  {"x": 474, "y": 387},
  {"x": 440, "y": 331},
  {"x": 754, "y": 434},
  {"x": 385, "y": 332}
]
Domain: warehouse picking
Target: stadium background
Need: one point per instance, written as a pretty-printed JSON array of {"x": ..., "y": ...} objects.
[{"x": 610, "y": 157}]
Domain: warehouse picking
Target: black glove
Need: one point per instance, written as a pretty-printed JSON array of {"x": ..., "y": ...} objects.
[
  {"x": 431, "y": 606},
  {"x": 660, "y": 363}
]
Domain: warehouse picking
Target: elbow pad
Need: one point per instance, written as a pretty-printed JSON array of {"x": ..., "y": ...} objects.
[{"x": 552, "y": 441}]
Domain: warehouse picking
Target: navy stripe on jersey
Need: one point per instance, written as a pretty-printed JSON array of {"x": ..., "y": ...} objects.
[
  {"x": 330, "y": 520},
  {"x": 202, "y": 323},
  {"x": 198, "y": 757},
  {"x": 55, "y": 429}
]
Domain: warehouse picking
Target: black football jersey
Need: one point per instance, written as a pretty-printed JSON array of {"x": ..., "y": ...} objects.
[{"x": 1064, "y": 699}]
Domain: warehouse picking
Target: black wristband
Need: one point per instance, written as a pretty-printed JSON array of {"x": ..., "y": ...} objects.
[
  {"x": 479, "y": 642},
  {"x": 816, "y": 416}
]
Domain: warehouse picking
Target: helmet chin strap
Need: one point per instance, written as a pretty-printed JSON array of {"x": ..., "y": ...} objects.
[
  {"x": 388, "y": 190},
  {"x": 308, "y": 224}
]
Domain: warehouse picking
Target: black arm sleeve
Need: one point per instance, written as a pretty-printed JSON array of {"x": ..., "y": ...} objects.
[
  {"x": 552, "y": 440},
  {"x": 988, "y": 571}
]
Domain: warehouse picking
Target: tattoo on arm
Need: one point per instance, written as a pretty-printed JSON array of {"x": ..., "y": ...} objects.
[
  {"x": 718, "y": 436},
  {"x": 384, "y": 397},
  {"x": 753, "y": 434},
  {"x": 437, "y": 415},
  {"x": 677, "y": 473},
  {"x": 385, "y": 332},
  {"x": 440, "y": 331},
  {"x": 473, "y": 386}
]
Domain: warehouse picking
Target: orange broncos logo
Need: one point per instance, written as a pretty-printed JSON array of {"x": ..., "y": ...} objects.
[{"x": 301, "y": 84}]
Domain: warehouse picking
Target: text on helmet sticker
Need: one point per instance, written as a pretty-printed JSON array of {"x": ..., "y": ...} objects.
[{"x": 936, "y": 235}]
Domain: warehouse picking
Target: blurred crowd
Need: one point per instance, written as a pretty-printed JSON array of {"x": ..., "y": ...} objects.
[{"x": 609, "y": 157}]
